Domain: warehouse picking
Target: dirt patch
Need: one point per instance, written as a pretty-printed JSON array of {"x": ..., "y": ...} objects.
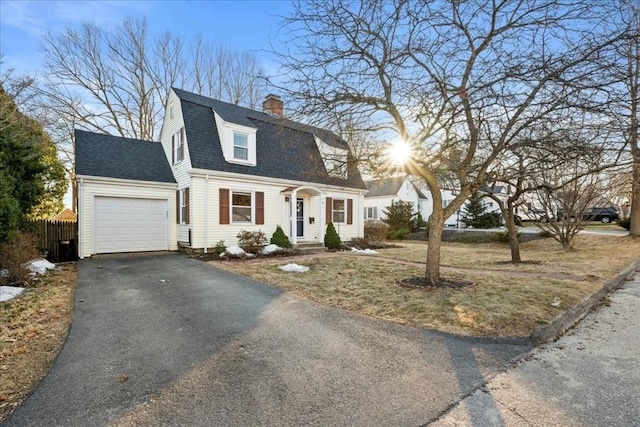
[{"x": 34, "y": 327}]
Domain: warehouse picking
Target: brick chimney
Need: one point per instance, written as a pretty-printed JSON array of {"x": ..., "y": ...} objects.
[{"x": 272, "y": 104}]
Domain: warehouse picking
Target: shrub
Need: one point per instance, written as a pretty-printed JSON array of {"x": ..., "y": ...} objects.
[
  {"x": 219, "y": 248},
  {"x": 398, "y": 234},
  {"x": 14, "y": 253},
  {"x": 375, "y": 230},
  {"x": 503, "y": 236},
  {"x": 280, "y": 239},
  {"x": 251, "y": 241},
  {"x": 400, "y": 215},
  {"x": 359, "y": 243},
  {"x": 331, "y": 238},
  {"x": 624, "y": 223}
]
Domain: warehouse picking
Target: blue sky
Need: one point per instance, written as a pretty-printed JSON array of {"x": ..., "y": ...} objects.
[{"x": 240, "y": 25}]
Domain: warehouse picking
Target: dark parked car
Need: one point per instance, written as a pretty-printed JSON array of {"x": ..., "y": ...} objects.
[{"x": 604, "y": 215}]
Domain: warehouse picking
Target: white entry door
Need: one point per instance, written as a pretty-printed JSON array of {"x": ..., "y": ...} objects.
[{"x": 129, "y": 225}]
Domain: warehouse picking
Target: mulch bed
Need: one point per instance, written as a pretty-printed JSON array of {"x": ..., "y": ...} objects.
[{"x": 421, "y": 283}]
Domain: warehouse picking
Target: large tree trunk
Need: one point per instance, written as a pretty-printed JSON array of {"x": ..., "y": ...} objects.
[
  {"x": 436, "y": 224},
  {"x": 634, "y": 214},
  {"x": 513, "y": 235}
]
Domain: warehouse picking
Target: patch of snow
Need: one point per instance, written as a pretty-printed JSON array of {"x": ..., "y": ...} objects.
[
  {"x": 269, "y": 249},
  {"x": 364, "y": 251},
  {"x": 556, "y": 302},
  {"x": 234, "y": 250},
  {"x": 294, "y": 268},
  {"x": 9, "y": 292},
  {"x": 251, "y": 255},
  {"x": 4, "y": 273},
  {"x": 39, "y": 266}
]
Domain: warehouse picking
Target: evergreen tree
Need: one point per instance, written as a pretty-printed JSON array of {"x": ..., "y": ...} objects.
[
  {"x": 475, "y": 214},
  {"x": 331, "y": 238},
  {"x": 280, "y": 239},
  {"x": 25, "y": 173},
  {"x": 399, "y": 216}
]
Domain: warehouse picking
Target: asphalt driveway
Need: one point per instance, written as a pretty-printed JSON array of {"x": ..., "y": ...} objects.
[{"x": 168, "y": 340}]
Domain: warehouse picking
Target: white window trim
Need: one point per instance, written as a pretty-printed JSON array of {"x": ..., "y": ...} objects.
[
  {"x": 253, "y": 205},
  {"x": 374, "y": 212},
  {"x": 233, "y": 143},
  {"x": 229, "y": 130},
  {"x": 344, "y": 201},
  {"x": 183, "y": 206},
  {"x": 177, "y": 138}
]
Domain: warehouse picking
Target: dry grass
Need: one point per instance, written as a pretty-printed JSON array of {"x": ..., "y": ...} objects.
[
  {"x": 33, "y": 328},
  {"x": 497, "y": 305},
  {"x": 602, "y": 256}
]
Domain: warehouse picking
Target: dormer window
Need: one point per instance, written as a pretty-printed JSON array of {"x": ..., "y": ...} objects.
[
  {"x": 240, "y": 146},
  {"x": 238, "y": 141},
  {"x": 334, "y": 159}
]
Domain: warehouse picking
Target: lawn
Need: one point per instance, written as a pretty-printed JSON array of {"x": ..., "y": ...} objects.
[
  {"x": 498, "y": 304},
  {"x": 601, "y": 256},
  {"x": 33, "y": 327}
]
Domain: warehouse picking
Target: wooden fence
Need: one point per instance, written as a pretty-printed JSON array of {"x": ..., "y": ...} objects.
[{"x": 58, "y": 239}]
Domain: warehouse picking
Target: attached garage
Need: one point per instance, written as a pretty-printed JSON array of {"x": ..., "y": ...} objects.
[
  {"x": 126, "y": 196},
  {"x": 129, "y": 225}
]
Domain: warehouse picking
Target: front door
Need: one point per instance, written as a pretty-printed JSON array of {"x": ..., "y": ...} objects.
[{"x": 300, "y": 217}]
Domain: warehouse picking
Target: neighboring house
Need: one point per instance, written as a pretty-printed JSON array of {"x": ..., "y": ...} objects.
[
  {"x": 224, "y": 169},
  {"x": 383, "y": 192},
  {"x": 65, "y": 215}
]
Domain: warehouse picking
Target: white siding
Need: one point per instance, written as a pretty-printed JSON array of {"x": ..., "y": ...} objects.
[
  {"x": 406, "y": 193},
  {"x": 89, "y": 189},
  {"x": 206, "y": 215},
  {"x": 181, "y": 170}
]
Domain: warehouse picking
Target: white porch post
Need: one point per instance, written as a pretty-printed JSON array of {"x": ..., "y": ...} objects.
[
  {"x": 293, "y": 217},
  {"x": 321, "y": 218}
]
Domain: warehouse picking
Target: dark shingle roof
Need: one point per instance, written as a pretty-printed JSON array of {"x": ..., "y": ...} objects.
[
  {"x": 389, "y": 187},
  {"x": 385, "y": 186},
  {"x": 116, "y": 157},
  {"x": 284, "y": 149}
]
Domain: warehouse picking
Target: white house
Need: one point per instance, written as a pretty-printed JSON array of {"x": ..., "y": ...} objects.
[
  {"x": 218, "y": 169},
  {"x": 383, "y": 192}
]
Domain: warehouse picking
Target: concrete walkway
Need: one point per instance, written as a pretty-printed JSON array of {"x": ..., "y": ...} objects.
[{"x": 589, "y": 377}]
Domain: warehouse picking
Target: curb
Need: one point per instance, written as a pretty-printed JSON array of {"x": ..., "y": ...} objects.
[{"x": 574, "y": 314}]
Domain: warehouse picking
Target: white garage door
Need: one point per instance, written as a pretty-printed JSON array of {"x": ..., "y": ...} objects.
[{"x": 129, "y": 225}]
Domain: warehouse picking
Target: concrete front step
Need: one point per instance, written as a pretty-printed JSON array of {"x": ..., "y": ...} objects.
[{"x": 309, "y": 248}]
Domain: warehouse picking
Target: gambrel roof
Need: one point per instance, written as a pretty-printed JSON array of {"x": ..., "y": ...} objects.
[{"x": 284, "y": 149}]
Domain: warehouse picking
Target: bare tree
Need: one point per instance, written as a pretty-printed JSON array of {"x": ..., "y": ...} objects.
[
  {"x": 116, "y": 81},
  {"x": 457, "y": 81}
]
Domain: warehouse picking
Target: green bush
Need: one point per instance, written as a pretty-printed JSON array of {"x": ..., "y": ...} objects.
[
  {"x": 280, "y": 239},
  {"x": 398, "y": 234},
  {"x": 624, "y": 223},
  {"x": 251, "y": 241},
  {"x": 375, "y": 230},
  {"x": 331, "y": 238},
  {"x": 400, "y": 215},
  {"x": 219, "y": 248}
]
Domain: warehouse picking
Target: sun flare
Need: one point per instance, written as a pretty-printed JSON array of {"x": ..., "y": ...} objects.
[{"x": 399, "y": 152}]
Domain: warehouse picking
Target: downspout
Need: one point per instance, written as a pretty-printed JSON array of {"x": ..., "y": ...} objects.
[
  {"x": 206, "y": 210},
  {"x": 80, "y": 218}
]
